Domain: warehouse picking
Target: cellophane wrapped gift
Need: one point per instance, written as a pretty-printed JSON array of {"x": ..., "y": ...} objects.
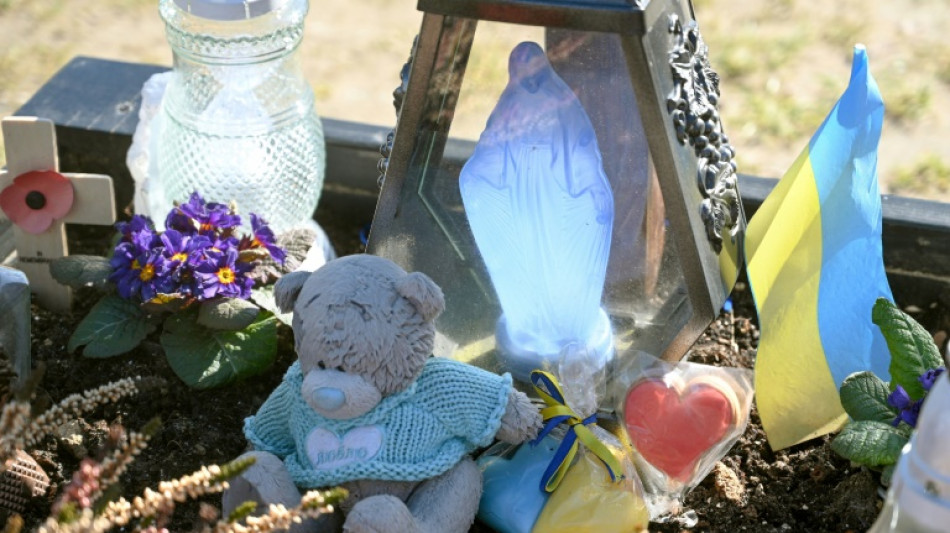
[
  {"x": 577, "y": 476},
  {"x": 681, "y": 419}
]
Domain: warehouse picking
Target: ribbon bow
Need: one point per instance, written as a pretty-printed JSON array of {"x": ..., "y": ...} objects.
[{"x": 557, "y": 412}]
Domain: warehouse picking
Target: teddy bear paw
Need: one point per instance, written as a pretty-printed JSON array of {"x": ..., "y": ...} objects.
[
  {"x": 380, "y": 514},
  {"x": 521, "y": 421}
]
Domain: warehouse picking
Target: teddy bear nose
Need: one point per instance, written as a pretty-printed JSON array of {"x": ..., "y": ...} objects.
[{"x": 328, "y": 398}]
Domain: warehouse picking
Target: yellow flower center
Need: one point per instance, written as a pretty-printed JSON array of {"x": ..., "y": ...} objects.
[
  {"x": 180, "y": 256},
  {"x": 147, "y": 273},
  {"x": 205, "y": 227},
  {"x": 136, "y": 265},
  {"x": 226, "y": 275}
]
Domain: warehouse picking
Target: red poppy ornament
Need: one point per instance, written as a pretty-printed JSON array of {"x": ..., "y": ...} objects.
[
  {"x": 40, "y": 201},
  {"x": 37, "y": 198}
]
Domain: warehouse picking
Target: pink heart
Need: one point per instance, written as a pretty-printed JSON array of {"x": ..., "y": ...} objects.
[{"x": 673, "y": 426}]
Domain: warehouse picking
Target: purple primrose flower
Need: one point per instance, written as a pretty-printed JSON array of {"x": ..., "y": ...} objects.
[
  {"x": 138, "y": 230},
  {"x": 210, "y": 216},
  {"x": 222, "y": 275},
  {"x": 138, "y": 272},
  {"x": 224, "y": 244},
  {"x": 908, "y": 409},
  {"x": 183, "y": 253},
  {"x": 197, "y": 257},
  {"x": 263, "y": 237},
  {"x": 126, "y": 263},
  {"x": 203, "y": 217},
  {"x": 928, "y": 378}
]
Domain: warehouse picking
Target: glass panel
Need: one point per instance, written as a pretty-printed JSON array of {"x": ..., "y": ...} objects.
[{"x": 559, "y": 157}]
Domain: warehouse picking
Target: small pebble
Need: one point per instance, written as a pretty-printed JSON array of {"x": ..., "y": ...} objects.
[
  {"x": 71, "y": 437},
  {"x": 727, "y": 484},
  {"x": 940, "y": 338}
]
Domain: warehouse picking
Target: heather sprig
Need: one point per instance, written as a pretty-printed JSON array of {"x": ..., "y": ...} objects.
[
  {"x": 91, "y": 501},
  {"x": 21, "y": 430}
]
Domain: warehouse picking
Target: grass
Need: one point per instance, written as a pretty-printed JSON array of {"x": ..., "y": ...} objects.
[
  {"x": 906, "y": 98},
  {"x": 776, "y": 118},
  {"x": 929, "y": 173},
  {"x": 783, "y": 64},
  {"x": 847, "y": 29},
  {"x": 486, "y": 74},
  {"x": 22, "y": 62},
  {"x": 747, "y": 52},
  {"x": 937, "y": 55}
]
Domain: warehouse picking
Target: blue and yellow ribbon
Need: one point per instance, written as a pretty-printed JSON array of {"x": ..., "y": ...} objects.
[{"x": 556, "y": 413}]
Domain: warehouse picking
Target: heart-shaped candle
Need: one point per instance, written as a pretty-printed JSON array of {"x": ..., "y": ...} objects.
[{"x": 673, "y": 424}]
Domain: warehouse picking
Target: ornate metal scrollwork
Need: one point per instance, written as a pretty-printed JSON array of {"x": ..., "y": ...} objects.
[
  {"x": 399, "y": 93},
  {"x": 694, "y": 107}
]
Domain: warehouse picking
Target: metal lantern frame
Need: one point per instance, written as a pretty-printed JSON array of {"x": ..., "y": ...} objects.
[{"x": 677, "y": 93}]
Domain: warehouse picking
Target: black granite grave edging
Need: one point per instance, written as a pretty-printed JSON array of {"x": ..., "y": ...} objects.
[{"x": 94, "y": 104}]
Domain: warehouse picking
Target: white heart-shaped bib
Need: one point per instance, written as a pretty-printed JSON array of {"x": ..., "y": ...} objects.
[{"x": 327, "y": 450}]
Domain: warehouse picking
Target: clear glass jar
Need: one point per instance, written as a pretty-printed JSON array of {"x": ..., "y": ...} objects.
[{"x": 238, "y": 120}]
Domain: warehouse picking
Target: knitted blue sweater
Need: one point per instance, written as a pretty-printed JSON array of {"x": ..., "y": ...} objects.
[{"x": 451, "y": 409}]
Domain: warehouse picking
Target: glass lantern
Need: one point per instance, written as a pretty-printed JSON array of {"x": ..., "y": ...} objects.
[{"x": 560, "y": 170}]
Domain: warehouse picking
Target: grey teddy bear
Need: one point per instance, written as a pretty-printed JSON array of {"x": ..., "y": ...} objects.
[{"x": 367, "y": 407}]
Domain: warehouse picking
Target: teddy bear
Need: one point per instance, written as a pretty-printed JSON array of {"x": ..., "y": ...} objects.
[{"x": 368, "y": 408}]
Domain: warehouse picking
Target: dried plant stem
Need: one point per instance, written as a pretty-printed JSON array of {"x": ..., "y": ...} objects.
[
  {"x": 14, "y": 524},
  {"x": 114, "y": 465},
  {"x": 75, "y": 405},
  {"x": 151, "y": 504},
  {"x": 279, "y": 518},
  {"x": 18, "y": 431},
  {"x": 14, "y": 419}
]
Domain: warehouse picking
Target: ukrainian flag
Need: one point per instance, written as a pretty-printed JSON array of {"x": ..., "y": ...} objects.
[{"x": 814, "y": 261}]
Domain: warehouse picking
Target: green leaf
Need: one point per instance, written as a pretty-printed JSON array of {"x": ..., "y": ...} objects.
[
  {"x": 913, "y": 351},
  {"x": 227, "y": 313},
  {"x": 870, "y": 443},
  {"x": 205, "y": 358},
  {"x": 264, "y": 297},
  {"x": 81, "y": 270},
  {"x": 887, "y": 474},
  {"x": 113, "y": 326},
  {"x": 296, "y": 243},
  {"x": 864, "y": 397}
]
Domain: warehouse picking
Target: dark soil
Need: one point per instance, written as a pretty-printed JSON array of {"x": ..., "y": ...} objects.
[{"x": 804, "y": 488}]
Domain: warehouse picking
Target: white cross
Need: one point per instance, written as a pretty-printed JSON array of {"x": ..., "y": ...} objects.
[{"x": 31, "y": 145}]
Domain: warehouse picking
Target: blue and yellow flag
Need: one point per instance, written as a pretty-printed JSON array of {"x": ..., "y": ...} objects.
[{"x": 814, "y": 260}]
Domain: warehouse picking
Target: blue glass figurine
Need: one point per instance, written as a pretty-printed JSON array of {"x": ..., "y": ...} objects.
[{"x": 541, "y": 210}]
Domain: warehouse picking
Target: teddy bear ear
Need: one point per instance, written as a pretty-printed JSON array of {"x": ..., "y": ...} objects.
[
  {"x": 423, "y": 294},
  {"x": 288, "y": 287}
]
